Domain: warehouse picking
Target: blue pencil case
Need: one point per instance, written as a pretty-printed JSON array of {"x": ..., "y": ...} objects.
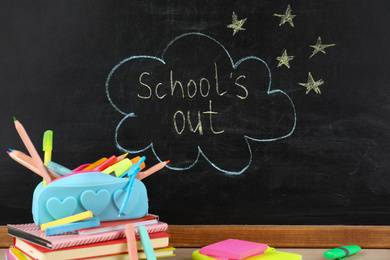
[{"x": 95, "y": 191}]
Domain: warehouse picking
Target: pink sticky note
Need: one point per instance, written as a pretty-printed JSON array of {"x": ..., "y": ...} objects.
[{"x": 233, "y": 249}]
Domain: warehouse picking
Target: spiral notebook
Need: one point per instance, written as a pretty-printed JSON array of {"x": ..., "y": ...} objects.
[{"x": 32, "y": 233}]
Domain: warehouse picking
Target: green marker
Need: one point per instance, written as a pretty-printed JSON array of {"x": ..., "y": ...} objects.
[{"x": 342, "y": 252}]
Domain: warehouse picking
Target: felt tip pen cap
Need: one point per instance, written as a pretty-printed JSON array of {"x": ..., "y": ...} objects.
[
  {"x": 48, "y": 140},
  {"x": 342, "y": 252}
]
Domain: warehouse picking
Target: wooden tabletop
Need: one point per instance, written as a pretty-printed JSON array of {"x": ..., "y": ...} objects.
[{"x": 307, "y": 254}]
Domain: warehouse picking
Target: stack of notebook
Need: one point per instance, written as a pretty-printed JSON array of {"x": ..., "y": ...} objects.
[{"x": 105, "y": 242}]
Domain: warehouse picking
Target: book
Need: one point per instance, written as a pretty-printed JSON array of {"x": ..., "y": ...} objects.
[
  {"x": 270, "y": 254},
  {"x": 14, "y": 254},
  {"x": 233, "y": 249},
  {"x": 162, "y": 252},
  {"x": 32, "y": 233},
  {"x": 100, "y": 249}
]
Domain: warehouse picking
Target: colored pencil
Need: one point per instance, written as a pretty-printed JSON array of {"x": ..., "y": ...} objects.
[
  {"x": 31, "y": 149},
  {"x": 121, "y": 157},
  {"x": 151, "y": 170},
  {"x": 24, "y": 160}
]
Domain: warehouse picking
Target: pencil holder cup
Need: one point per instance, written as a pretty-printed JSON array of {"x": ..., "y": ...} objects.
[{"x": 95, "y": 191}]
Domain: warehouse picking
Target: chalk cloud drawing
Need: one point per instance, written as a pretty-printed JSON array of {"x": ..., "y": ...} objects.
[
  {"x": 319, "y": 47},
  {"x": 252, "y": 111},
  {"x": 236, "y": 24},
  {"x": 286, "y": 17},
  {"x": 312, "y": 84},
  {"x": 284, "y": 59}
]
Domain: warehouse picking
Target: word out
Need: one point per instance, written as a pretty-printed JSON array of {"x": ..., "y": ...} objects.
[{"x": 202, "y": 88}]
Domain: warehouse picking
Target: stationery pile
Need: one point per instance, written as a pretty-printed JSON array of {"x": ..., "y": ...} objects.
[
  {"x": 234, "y": 249},
  {"x": 58, "y": 233},
  {"x": 107, "y": 241}
]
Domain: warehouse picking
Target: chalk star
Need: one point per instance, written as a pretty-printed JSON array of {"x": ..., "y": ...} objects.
[
  {"x": 286, "y": 17},
  {"x": 236, "y": 25},
  {"x": 319, "y": 47},
  {"x": 284, "y": 59},
  {"x": 312, "y": 85}
]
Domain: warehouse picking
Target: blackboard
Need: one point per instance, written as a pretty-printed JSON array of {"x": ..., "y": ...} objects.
[{"x": 270, "y": 112}]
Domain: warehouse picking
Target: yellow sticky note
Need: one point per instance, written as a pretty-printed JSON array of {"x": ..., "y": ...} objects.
[{"x": 78, "y": 217}]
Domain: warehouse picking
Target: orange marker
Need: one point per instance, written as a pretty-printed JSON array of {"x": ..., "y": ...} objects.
[
  {"x": 95, "y": 164},
  {"x": 136, "y": 160},
  {"x": 131, "y": 243},
  {"x": 151, "y": 170}
]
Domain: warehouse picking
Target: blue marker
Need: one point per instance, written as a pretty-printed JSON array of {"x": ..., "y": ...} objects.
[
  {"x": 132, "y": 172},
  {"x": 146, "y": 244},
  {"x": 58, "y": 169}
]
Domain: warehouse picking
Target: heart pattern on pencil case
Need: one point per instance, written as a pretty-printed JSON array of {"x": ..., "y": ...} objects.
[
  {"x": 95, "y": 201},
  {"x": 119, "y": 195},
  {"x": 61, "y": 209}
]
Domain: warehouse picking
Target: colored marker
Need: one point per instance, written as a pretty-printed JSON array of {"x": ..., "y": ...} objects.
[
  {"x": 131, "y": 242},
  {"x": 107, "y": 163},
  {"x": 31, "y": 149},
  {"x": 132, "y": 172},
  {"x": 151, "y": 170},
  {"x": 58, "y": 169},
  {"x": 88, "y": 223},
  {"x": 342, "y": 252},
  {"x": 47, "y": 145},
  {"x": 95, "y": 164},
  {"x": 136, "y": 160},
  {"x": 119, "y": 168},
  {"x": 74, "y": 218},
  {"x": 146, "y": 244}
]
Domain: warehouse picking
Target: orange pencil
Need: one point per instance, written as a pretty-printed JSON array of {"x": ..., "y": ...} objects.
[
  {"x": 151, "y": 170},
  {"x": 93, "y": 165},
  {"x": 31, "y": 149},
  {"x": 131, "y": 242}
]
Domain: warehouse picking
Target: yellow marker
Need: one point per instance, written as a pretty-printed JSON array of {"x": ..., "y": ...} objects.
[
  {"x": 47, "y": 147},
  {"x": 78, "y": 217},
  {"x": 119, "y": 168}
]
